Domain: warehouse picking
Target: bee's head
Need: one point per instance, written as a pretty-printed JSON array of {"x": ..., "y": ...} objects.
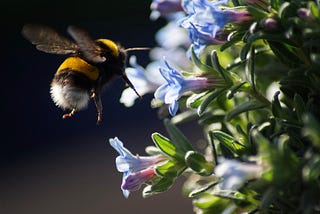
[{"x": 115, "y": 55}]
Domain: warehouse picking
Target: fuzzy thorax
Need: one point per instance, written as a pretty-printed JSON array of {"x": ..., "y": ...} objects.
[{"x": 69, "y": 97}]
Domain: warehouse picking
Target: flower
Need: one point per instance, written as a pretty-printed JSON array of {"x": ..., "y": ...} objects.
[
  {"x": 135, "y": 180},
  {"x": 136, "y": 169},
  {"x": 236, "y": 173},
  {"x": 165, "y": 39},
  {"x": 164, "y": 7},
  {"x": 304, "y": 13},
  {"x": 176, "y": 85},
  {"x": 173, "y": 47},
  {"x": 201, "y": 40},
  {"x": 270, "y": 24},
  {"x": 205, "y": 21},
  {"x": 144, "y": 80}
]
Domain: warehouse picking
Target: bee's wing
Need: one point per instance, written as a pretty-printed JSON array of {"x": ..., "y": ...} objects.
[
  {"x": 48, "y": 40},
  {"x": 90, "y": 50}
]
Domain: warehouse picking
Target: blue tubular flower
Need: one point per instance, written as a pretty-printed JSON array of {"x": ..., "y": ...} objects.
[
  {"x": 165, "y": 39},
  {"x": 164, "y": 7},
  {"x": 201, "y": 40},
  {"x": 133, "y": 166},
  {"x": 176, "y": 85},
  {"x": 205, "y": 21},
  {"x": 144, "y": 80},
  {"x": 172, "y": 47},
  {"x": 235, "y": 173}
]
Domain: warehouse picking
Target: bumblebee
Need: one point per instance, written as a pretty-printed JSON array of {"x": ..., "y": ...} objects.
[{"x": 90, "y": 65}]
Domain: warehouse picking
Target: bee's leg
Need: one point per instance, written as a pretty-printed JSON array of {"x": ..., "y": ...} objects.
[
  {"x": 97, "y": 100},
  {"x": 69, "y": 114}
]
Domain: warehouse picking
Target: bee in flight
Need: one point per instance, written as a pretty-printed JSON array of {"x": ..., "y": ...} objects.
[{"x": 90, "y": 65}]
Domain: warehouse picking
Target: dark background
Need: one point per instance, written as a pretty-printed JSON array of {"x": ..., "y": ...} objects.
[{"x": 50, "y": 165}]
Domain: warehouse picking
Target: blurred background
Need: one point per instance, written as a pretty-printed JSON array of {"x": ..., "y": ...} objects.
[{"x": 50, "y": 165}]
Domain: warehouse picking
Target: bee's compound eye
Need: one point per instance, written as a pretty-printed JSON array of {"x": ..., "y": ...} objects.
[{"x": 69, "y": 97}]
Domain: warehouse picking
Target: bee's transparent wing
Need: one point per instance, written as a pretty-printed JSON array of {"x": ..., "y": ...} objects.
[
  {"x": 90, "y": 50},
  {"x": 48, "y": 40}
]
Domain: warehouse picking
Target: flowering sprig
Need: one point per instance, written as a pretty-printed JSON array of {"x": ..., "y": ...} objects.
[{"x": 262, "y": 150}]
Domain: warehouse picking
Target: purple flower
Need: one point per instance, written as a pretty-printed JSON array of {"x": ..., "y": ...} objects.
[
  {"x": 164, "y": 7},
  {"x": 270, "y": 24},
  {"x": 304, "y": 13},
  {"x": 205, "y": 21},
  {"x": 133, "y": 166},
  {"x": 176, "y": 85}
]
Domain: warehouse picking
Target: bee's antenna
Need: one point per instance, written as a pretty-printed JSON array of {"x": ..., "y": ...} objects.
[
  {"x": 137, "y": 49},
  {"x": 126, "y": 79}
]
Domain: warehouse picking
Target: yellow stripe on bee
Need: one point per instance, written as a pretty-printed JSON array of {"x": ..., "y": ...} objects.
[
  {"x": 110, "y": 44},
  {"x": 79, "y": 65}
]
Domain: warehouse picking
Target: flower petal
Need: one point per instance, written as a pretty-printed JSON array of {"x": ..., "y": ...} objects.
[
  {"x": 173, "y": 108},
  {"x": 118, "y": 145},
  {"x": 161, "y": 92}
]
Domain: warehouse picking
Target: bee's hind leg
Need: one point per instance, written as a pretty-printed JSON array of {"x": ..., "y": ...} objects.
[{"x": 69, "y": 114}]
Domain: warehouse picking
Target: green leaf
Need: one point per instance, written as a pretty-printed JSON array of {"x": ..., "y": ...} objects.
[
  {"x": 235, "y": 3},
  {"x": 314, "y": 10},
  {"x": 234, "y": 38},
  {"x": 312, "y": 129},
  {"x": 198, "y": 163},
  {"x": 218, "y": 67},
  {"x": 168, "y": 170},
  {"x": 207, "y": 120},
  {"x": 244, "y": 107},
  {"x": 203, "y": 67},
  {"x": 177, "y": 136},
  {"x": 185, "y": 116},
  {"x": 276, "y": 108},
  {"x": 275, "y": 4},
  {"x": 159, "y": 186},
  {"x": 284, "y": 54},
  {"x": 311, "y": 170},
  {"x": 257, "y": 13},
  {"x": 286, "y": 11},
  {"x": 211, "y": 203},
  {"x": 195, "y": 100},
  {"x": 299, "y": 106},
  {"x": 244, "y": 51},
  {"x": 250, "y": 68},
  {"x": 167, "y": 147},
  {"x": 208, "y": 99},
  {"x": 237, "y": 88},
  {"x": 229, "y": 142},
  {"x": 202, "y": 189}
]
